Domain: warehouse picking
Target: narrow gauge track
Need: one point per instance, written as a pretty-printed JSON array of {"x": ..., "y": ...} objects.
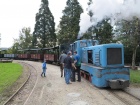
[
  {"x": 23, "y": 93},
  {"x": 123, "y": 96}
]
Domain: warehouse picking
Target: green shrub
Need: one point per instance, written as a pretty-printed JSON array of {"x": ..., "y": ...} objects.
[{"x": 134, "y": 76}]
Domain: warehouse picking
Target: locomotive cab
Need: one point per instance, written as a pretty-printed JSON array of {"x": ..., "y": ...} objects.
[
  {"x": 78, "y": 45},
  {"x": 107, "y": 55},
  {"x": 105, "y": 64}
]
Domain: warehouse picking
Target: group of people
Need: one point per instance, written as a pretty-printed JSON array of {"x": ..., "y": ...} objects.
[{"x": 71, "y": 65}]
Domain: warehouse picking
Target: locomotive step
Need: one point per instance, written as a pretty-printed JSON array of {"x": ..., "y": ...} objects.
[{"x": 86, "y": 75}]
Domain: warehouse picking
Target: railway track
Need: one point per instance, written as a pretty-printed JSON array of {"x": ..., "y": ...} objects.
[
  {"x": 23, "y": 93},
  {"x": 123, "y": 96}
]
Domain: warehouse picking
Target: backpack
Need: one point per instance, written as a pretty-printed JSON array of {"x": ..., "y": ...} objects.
[{"x": 78, "y": 63}]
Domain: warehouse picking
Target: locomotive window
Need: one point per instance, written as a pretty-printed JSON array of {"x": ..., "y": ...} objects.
[
  {"x": 114, "y": 56},
  {"x": 93, "y": 43},
  {"x": 90, "y": 59},
  {"x": 75, "y": 46},
  {"x": 83, "y": 44},
  {"x": 89, "y": 51}
]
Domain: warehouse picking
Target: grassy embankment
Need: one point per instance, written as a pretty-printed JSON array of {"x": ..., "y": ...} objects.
[
  {"x": 9, "y": 73},
  {"x": 135, "y": 76}
]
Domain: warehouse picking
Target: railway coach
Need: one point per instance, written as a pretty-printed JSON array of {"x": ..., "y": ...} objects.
[{"x": 51, "y": 55}]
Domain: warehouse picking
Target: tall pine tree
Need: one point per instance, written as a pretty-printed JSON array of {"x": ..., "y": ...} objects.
[
  {"x": 44, "y": 31},
  {"x": 69, "y": 24}
]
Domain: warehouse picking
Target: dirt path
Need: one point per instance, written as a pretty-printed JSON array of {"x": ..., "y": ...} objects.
[{"x": 52, "y": 90}]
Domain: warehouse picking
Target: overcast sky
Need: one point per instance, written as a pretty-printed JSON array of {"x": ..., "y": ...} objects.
[{"x": 16, "y": 14}]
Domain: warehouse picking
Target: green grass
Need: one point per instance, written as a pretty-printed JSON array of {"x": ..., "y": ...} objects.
[
  {"x": 135, "y": 76},
  {"x": 9, "y": 73}
]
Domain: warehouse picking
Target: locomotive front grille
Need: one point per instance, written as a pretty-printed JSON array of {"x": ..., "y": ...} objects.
[{"x": 114, "y": 56}]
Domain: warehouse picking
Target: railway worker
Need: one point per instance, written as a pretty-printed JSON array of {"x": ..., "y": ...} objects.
[
  {"x": 77, "y": 63},
  {"x": 68, "y": 64},
  {"x": 44, "y": 67},
  {"x": 61, "y": 59}
]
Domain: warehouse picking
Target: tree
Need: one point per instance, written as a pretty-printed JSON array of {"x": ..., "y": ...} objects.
[
  {"x": 44, "y": 31},
  {"x": 130, "y": 36},
  {"x": 101, "y": 32},
  {"x": 14, "y": 49},
  {"x": 69, "y": 24},
  {"x": 25, "y": 38},
  {"x": 23, "y": 42}
]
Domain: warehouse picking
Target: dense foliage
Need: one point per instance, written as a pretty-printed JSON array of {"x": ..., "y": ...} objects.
[
  {"x": 69, "y": 25},
  {"x": 44, "y": 31},
  {"x": 128, "y": 56},
  {"x": 101, "y": 32},
  {"x": 130, "y": 36}
]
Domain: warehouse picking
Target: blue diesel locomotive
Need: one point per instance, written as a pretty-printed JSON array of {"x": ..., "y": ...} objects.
[{"x": 104, "y": 63}]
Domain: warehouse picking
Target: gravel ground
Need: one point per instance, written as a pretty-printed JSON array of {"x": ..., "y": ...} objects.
[{"x": 52, "y": 90}]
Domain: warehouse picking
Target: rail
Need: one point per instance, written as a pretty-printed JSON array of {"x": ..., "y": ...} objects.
[
  {"x": 6, "y": 60},
  {"x": 18, "y": 89}
]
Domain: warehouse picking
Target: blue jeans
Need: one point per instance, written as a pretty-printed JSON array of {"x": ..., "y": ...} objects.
[
  {"x": 67, "y": 75},
  {"x": 44, "y": 71}
]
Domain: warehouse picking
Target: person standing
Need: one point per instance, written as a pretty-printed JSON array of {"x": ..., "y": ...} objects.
[
  {"x": 72, "y": 70},
  {"x": 44, "y": 67},
  {"x": 77, "y": 63},
  {"x": 68, "y": 64},
  {"x": 61, "y": 59}
]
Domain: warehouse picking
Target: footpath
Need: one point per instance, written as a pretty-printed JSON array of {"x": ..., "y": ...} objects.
[{"x": 52, "y": 90}]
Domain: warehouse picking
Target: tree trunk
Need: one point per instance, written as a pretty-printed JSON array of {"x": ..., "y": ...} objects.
[{"x": 134, "y": 58}]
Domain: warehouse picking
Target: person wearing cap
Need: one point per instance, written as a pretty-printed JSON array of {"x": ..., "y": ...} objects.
[
  {"x": 68, "y": 64},
  {"x": 61, "y": 59},
  {"x": 77, "y": 63}
]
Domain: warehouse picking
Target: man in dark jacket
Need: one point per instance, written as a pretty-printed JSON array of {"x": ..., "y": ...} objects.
[{"x": 68, "y": 64}]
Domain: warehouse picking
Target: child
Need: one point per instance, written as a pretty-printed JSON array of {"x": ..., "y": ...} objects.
[{"x": 44, "y": 67}]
